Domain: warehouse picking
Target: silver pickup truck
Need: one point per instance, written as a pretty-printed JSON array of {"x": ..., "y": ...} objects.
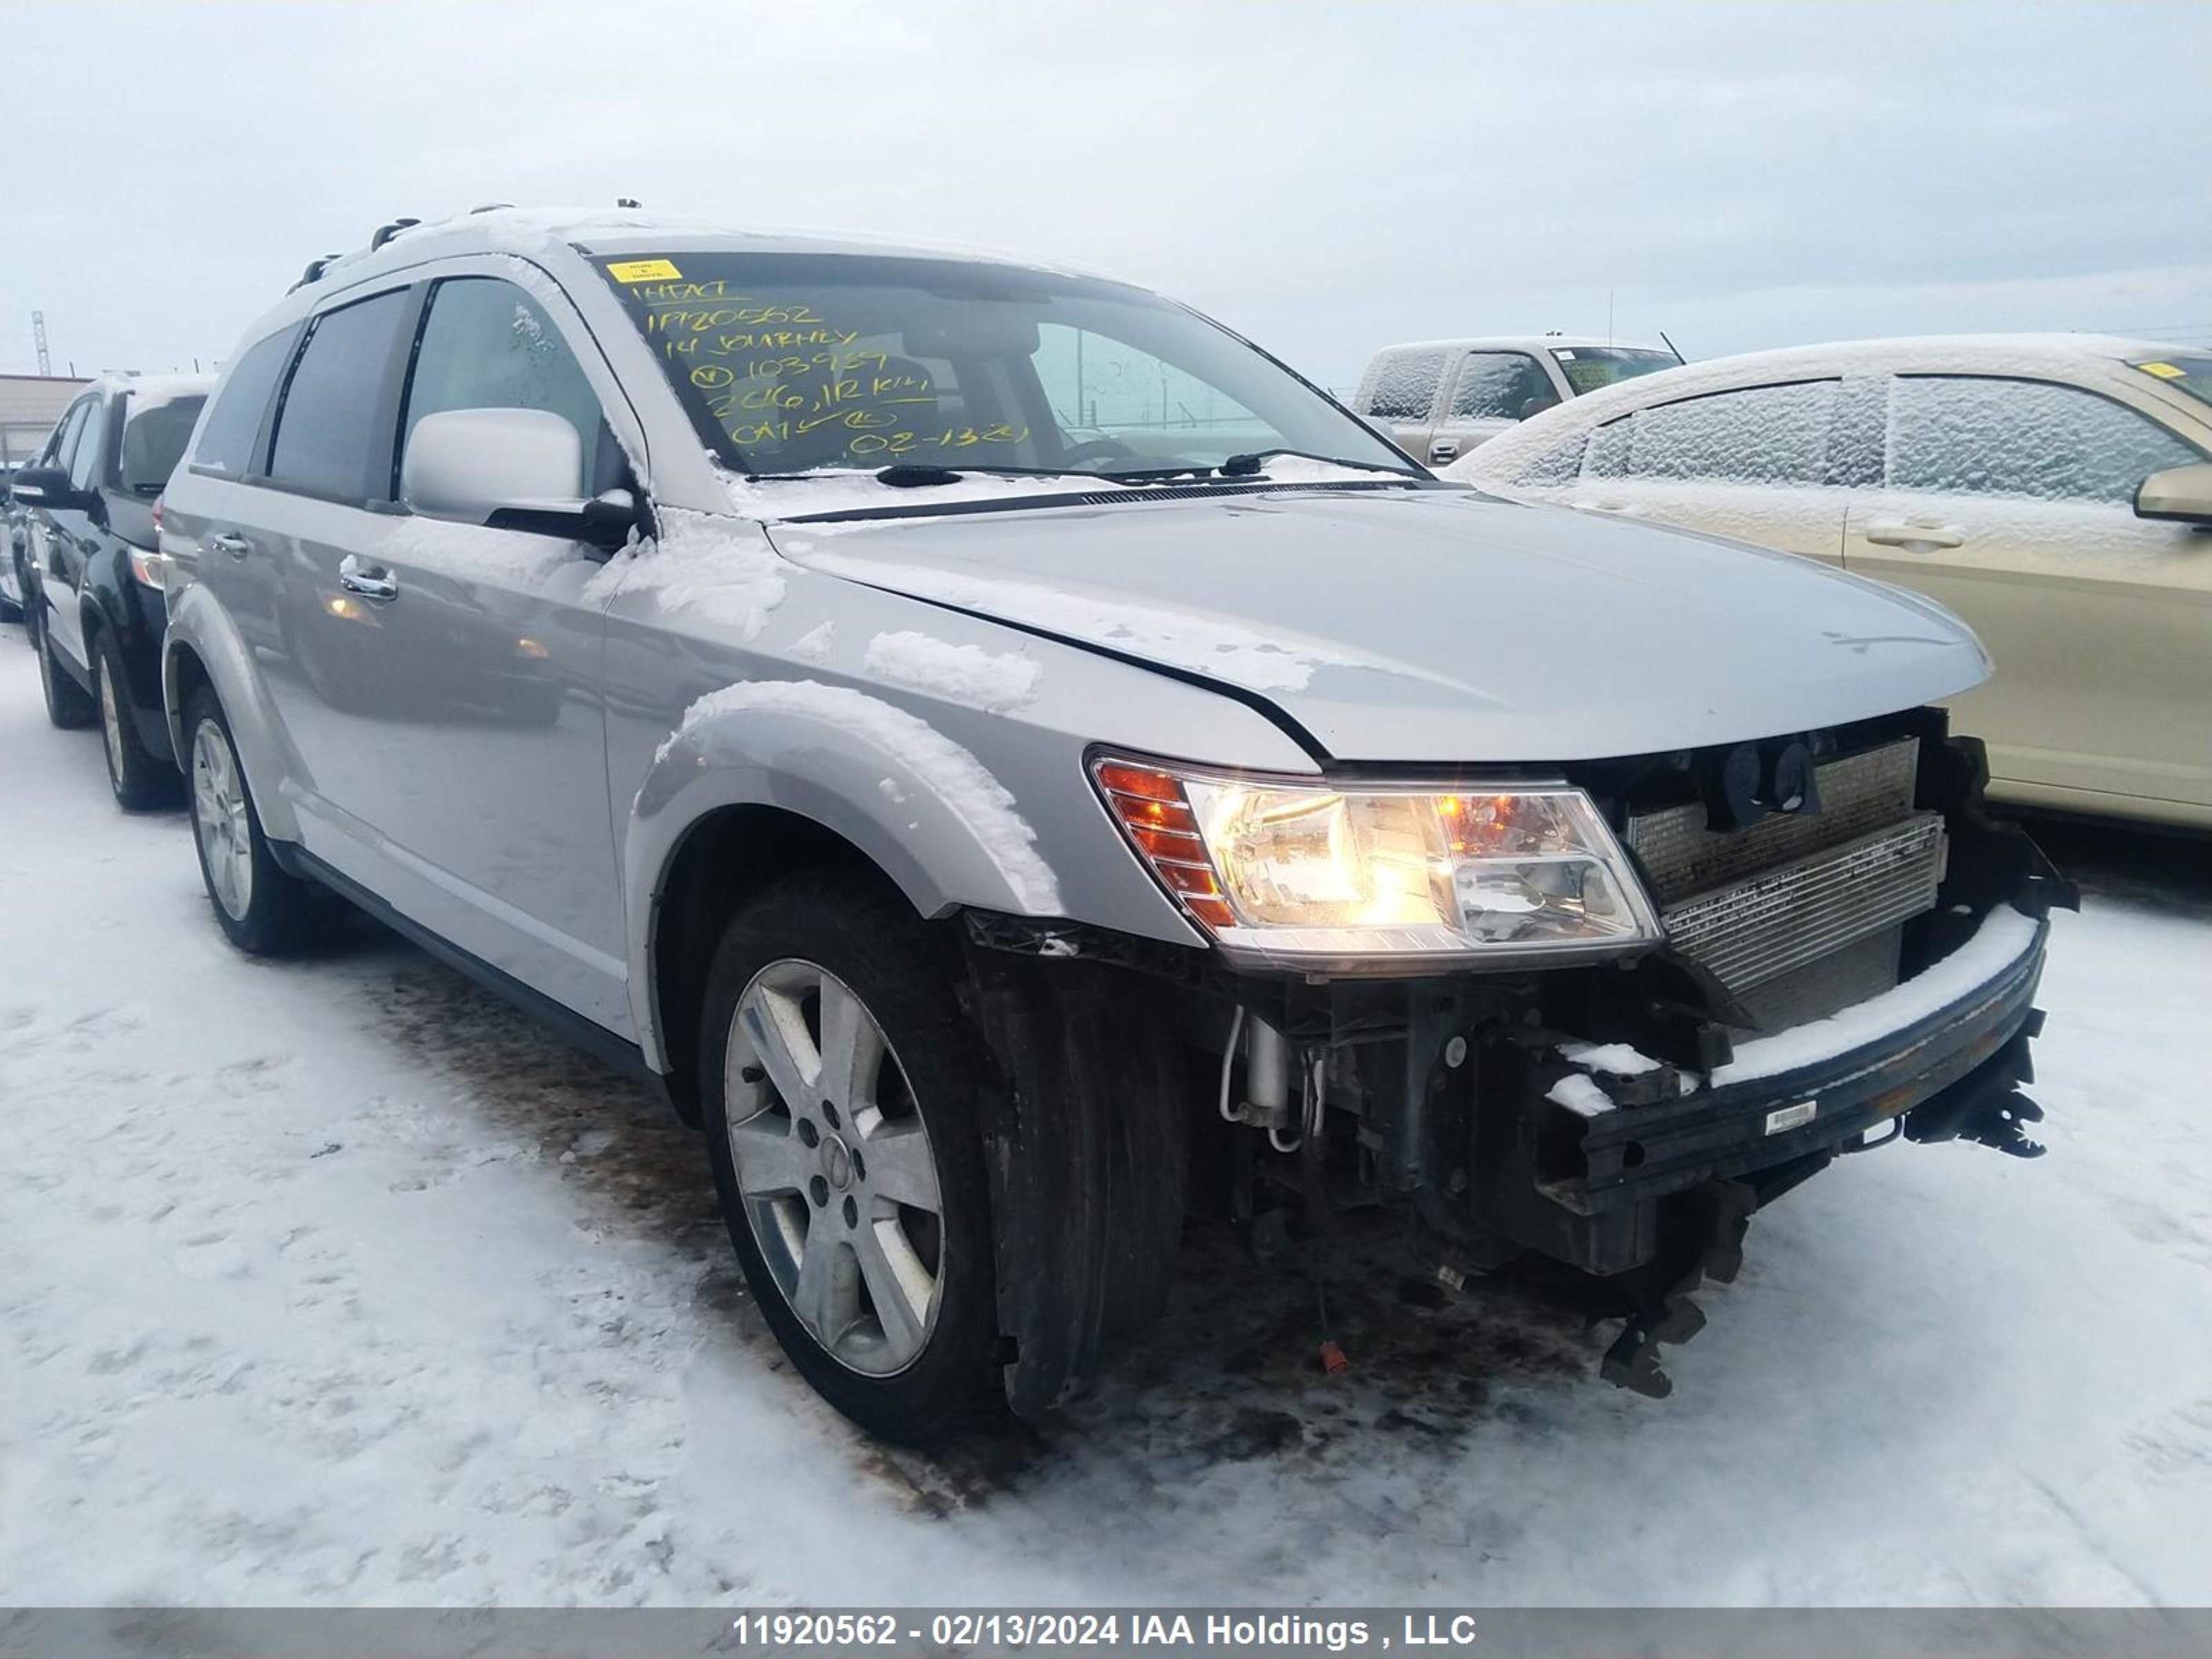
[{"x": 971, "y": 733}]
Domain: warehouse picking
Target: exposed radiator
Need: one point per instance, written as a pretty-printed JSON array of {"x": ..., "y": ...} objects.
[{"x": 1791, "y": 892}]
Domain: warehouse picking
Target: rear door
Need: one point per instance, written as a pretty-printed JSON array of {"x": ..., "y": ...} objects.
[
  {"x": 2011, "y": 501},
  {"x": 1769, "y": 464},
  {"x": 1491, "y": 392}
]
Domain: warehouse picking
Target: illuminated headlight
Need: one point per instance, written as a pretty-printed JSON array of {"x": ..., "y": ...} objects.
[{"x": 1315, "y": 873}]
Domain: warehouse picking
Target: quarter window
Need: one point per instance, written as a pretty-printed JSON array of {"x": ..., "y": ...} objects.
[
  {"x": 1767, "y": 435},
  {"x": 226, "y": 444},
  {"x": 486, "y": 344},
  {"x": 1500, "y": 385},
  {"x": 1405, "y": 385},
  {"x": 1982, "y": 436},
  {"x": 327, "y": 437}
]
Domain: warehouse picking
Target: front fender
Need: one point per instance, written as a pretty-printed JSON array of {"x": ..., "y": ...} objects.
[
  {"x": 921, "y": 808},
  {"x": 200, "y": 626}
]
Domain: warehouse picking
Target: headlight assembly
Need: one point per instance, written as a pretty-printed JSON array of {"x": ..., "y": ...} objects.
[{"x": 1376, "y": 874}]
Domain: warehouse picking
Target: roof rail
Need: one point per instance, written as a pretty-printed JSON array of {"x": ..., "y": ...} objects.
[
  {"x": 314, "y": 272},
  {"x": 385, "y": 232},
  {"x": 490, "y": 207}
]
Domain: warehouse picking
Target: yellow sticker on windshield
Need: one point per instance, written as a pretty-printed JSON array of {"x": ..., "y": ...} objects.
[
  {"x": 644, "y": 271},
  {"x": 2164, "y": 371}
]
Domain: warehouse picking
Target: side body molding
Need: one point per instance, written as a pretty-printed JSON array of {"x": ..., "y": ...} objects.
[
  {"x": 196, "y": 622},
  {"x": 947, "y": 833}
]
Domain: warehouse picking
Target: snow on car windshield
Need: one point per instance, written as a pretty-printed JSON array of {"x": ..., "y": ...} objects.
[
  {"x": 805, "y": 363},
  {"x": 1589, "y": 368}
]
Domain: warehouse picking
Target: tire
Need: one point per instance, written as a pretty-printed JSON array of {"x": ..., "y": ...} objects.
[
  {"x": 265, "y": 911},
  {"x": 69, "y": 705},
  {"x": 140, "y": 778},
  {"x": 815, "y": 1224}
]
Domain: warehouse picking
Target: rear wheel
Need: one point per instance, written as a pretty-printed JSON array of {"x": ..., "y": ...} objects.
[
  {"x": 68, "y": 704},
  {"x": 265, "y": 911},
  {"x": 139, "y": 778},
  {"x": 838, "y": 1077}
]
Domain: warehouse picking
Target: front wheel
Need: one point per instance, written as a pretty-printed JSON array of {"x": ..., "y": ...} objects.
[{"x": 839, "y": 1082}]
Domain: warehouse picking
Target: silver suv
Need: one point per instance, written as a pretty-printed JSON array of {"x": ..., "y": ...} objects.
[{"x": 992, "y": 745}]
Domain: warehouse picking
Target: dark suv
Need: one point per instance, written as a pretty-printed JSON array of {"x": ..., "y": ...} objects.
[{"x": 88, "y": 508}]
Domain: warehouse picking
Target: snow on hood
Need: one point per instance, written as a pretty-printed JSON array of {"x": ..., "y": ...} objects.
[{"x": 1437, "y": 625}]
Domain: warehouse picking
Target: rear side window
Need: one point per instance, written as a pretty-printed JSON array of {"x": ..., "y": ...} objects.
[
  {"x": 329, "y": 438},
  {"x": 2030, "y": 438},
  {"x": 1501, "y": 386},
  {"x": 487, "y": 345},
  {"x": 155, "y": 432},
  {"x": 226, "y": 444},
  {"x": 1766, "y": 435},
  {"x": 1404, "y": 384}
]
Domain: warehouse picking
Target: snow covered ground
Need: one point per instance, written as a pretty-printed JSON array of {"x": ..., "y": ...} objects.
[{"x": 334, "y": 1282}]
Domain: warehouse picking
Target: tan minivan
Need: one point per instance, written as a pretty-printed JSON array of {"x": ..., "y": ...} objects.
[{"x": 2052, "y": 491}]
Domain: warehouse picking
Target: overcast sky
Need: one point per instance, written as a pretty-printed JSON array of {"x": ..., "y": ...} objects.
[{"x": 1324, "y": 178}]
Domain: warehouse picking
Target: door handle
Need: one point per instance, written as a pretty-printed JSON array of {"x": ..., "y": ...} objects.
[
  {"x": 236, "y": 545},
  {"x": 1889, "y": 533},
  {"x": 371, "y": 581},
  {"x": 1444, "y": 449}
]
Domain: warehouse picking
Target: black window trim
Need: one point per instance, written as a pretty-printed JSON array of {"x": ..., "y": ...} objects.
[{"x": 384, "y": 419}]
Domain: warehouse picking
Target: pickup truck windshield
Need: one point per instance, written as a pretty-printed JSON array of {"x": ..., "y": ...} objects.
[
  {"x": 796, "y": 363},
  {"x": 1589, "y": 368}
]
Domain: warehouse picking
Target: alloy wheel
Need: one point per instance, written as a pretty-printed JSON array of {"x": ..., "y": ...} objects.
[
  {"x": 833, "y": 1167},
  {"x": 219, "y": 819}
]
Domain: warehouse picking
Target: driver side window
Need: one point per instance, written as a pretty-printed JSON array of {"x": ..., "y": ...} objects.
[{"x": 487, "y": 344}]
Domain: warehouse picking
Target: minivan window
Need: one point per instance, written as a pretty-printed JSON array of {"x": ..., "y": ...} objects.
[
  {"x": 328, "y": 437},
  {"x": 486, "y": 344},
  {"x": 809, "y": 362},
  {"x": 155, "y": 432},
  {"x": 226, "y": 444}
]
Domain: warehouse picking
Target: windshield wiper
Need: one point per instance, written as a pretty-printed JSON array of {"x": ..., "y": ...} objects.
[{"x": 1245, "y": 466}]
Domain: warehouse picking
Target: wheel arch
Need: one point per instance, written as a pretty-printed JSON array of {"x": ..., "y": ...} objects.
[{"x": 203, "y": 648}]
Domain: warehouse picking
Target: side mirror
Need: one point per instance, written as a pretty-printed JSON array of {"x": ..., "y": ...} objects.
[
  {"x": 2180, "y": 493},
  {"x": 46, "y": 486},
  {"x": 509, "y": 468}
]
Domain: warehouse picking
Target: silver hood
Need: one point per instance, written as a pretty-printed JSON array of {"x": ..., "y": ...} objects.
[{"x": 1434, "y": 625}]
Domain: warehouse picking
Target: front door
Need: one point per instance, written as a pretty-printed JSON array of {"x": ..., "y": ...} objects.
[{"x": 2011, "y": 502}]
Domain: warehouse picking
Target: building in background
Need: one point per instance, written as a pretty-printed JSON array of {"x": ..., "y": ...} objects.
[{"x": 29, "y": 406}]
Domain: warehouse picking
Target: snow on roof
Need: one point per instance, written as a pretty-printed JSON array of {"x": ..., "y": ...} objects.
[
  {"x": 152, "y": 390},
  {"x": 1523, "y": 342},
  {"x": 2032, "y": 356}
]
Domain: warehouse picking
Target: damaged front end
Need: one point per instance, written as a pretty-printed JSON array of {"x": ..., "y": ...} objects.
[{"x": 1851, "y": 953}]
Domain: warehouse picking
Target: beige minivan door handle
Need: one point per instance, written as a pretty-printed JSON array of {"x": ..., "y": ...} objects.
[{"x": 1890, "y": 532}]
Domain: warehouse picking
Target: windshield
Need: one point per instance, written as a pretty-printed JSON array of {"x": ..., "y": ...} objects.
[
  {"x": 2189, "y": 372},
  {"x": 153, "y": 438},
  {"x": 1589, "y": 368},
  {"x": 800, "y": 363}
]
